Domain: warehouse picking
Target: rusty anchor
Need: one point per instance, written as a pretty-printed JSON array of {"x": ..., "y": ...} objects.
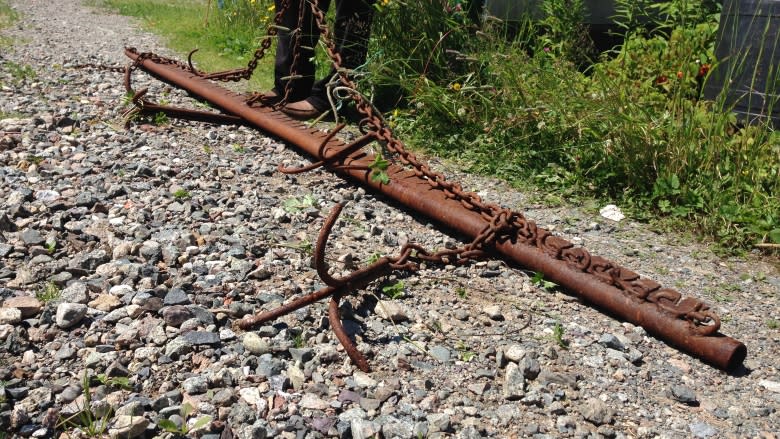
[{"x": 684, "y": 322}]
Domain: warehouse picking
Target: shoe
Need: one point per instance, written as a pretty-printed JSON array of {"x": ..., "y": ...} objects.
[
  {"x": 269, "y": 99},
  {"x": 301, "y": 110}
]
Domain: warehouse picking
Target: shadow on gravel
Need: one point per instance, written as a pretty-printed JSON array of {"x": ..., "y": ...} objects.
[{"x": 739, "y": 371}]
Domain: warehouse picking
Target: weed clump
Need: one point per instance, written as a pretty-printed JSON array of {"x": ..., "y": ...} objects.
[{"x": 532, "y": 103}]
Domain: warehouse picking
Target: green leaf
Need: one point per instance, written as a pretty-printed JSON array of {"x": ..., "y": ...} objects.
[
  {"x": 167, "y": 425},
  {"x": 378, "y": 167},
  {"x": 395, "y": 290},
  {"x": 379, "y": 163},
  {"x": 201, "y": 422},
  {"x": 538, "y": 280},
  {"x": 774, "y": 236},
  {"x": 380, "y": 177},
  {"x": 293, "y": 205},
  {"x": 186, "y": 410}
]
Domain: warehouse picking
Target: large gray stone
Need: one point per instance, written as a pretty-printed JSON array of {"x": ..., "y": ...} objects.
[
  {"x": 514, "y": 382},
  {"x": 596, "y": 411},
  {"x": 128, "y": 427},
  {"x": 70, "y": 314}
]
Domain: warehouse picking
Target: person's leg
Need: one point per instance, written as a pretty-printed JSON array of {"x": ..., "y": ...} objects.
[
  {"x": 352, "y": 31},
  {"x": 300, "y": 88}
]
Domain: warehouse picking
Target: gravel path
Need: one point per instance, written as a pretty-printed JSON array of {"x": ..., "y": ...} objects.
[{"x": 126, "y": 256}]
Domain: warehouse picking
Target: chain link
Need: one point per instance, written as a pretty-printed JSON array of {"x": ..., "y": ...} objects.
[
  {"x": 100, "y": 67},
  {"x": 246, "y": 72}
]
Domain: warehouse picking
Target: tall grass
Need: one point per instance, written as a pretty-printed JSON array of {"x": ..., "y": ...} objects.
[{"x": 632, "y": 126}]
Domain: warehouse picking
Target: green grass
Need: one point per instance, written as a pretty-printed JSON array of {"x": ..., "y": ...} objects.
[
  {"x": 181, "y": 194},
  {"x": 7, "y": 17},
  {"x": 48, "y": 292},
  {"x": 630, "y": 126},
  {"x": 557, "y": 335},
  {"x": 88, "y": 423},
  {"x": 19, "y": 72},
  {"x": 182, "y": 430},
  {"x": 122, "y": 383},
  {"x": 225, "y": 39},
  {"x": 395, "y": 290}
]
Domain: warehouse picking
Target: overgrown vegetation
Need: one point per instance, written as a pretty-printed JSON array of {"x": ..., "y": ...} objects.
[
  {"x": 629, "y": 126},
  {"x": 533, "y": 103},
  {"x": 18, "y": 72}
]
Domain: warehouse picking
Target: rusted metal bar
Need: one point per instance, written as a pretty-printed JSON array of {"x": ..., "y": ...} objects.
[
  {"x": 338, "y": 329},
  {"x": 620, "y": 292},
  {"x": 335, "y": 290},
  {"x": 355, "y": 281}
]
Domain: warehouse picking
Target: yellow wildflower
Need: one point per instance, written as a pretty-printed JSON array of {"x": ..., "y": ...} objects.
[{"x": 456, "y": 86}]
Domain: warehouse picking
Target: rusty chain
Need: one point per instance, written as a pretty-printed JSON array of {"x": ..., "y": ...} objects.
[
  {"x": 246, "y": 72},
  {"x": 505, "y": 224},
  {"x": 100, "y": 67}
]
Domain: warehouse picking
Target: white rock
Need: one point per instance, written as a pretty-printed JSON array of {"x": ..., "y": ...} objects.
[
  {"x": 252, "y": 396},
  {"x": 494, "y": 312},
  {"x": 314, "y": 402},
  {"x": 70, "y": 314},
  {"x": 128, "y": 427},
  {"x": 28, "y": 357},
  {"x": 391, "y": 310},
  {"x": 612, "y": 212},
  {"x": 363, "y": 380},
  {"x": 10, "y": 316},
  {"x": 514, "y": 353},
  {"x": 255, "y": 344},
  {"x": 772, "y": 386}
]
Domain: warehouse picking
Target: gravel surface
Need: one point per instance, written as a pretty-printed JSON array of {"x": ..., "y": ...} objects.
[{"x": 127, "y": 255}]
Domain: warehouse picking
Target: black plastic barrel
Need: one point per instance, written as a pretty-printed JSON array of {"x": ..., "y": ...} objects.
[{"x": 748, "y": 53}]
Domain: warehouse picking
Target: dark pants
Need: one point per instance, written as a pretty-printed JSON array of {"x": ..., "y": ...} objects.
[{"x": 352, "y": 30}]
